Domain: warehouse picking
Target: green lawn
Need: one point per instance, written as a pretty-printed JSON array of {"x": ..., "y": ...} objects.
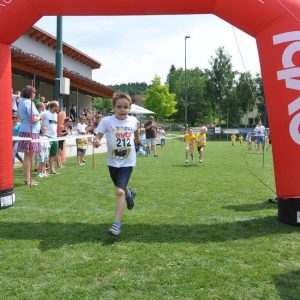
[{"x": 202, "y": 231}]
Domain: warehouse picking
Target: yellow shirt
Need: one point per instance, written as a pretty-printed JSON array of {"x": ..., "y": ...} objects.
[
  {"x": 190, "y": 140},
  {"x": 233, "y": 137},
  {"x": 82, "y": 143},
  {"x": 241, "y": 138},
  {"x": 267, "y": 140},
  {"x": 201, "y": 139}
]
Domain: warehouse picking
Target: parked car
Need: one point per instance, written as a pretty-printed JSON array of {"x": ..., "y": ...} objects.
[{"x": 175, "y": 127}]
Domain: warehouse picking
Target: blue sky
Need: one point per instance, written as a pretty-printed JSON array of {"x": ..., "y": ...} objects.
[{"x": 136, "y": 48}]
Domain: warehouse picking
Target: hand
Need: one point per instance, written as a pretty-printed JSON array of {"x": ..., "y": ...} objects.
[{"x": 96, "y": 143}]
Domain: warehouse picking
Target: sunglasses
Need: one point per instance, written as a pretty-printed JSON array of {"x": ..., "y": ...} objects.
[{"x": 124, "y": 107}]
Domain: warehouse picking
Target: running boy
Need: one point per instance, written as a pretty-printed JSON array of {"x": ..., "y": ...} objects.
[
  {"x": 121, "y": 134},
  {"x": 201, "y": 142},
  {"x": 190, "y": 140}
]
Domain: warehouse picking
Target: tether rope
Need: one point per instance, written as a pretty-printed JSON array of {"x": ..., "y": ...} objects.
[{"x": 251, "y": 90}]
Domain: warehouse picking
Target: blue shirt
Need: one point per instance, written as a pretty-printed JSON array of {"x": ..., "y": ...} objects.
[
  {"x": 24, "y": 114},
  {"x": 15, "y": 130}
]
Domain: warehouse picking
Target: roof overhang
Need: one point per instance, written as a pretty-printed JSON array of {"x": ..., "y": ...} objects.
[
  {"x": 49, "y": 40},
  {"x": 33, "y": 64}
]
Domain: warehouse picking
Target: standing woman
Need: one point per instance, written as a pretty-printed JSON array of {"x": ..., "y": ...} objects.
[{"x": 30, "y": 128}]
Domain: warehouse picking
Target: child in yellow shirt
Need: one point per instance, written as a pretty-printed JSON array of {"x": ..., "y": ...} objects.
[
  {"x": 201, "y": 142},
  {"x": 241, "y": 139},
  {"x": 233, "y": 139},
  {"x": 189, "y": 140}
]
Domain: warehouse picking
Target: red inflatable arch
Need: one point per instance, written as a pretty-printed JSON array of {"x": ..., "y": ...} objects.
[{"x": 274, "y": 25}]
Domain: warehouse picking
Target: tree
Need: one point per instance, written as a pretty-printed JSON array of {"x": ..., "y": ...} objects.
[
  {"x": 159, "y": 100},
  {"x": 102, "y": 104},
  {"x": 220, "y": 84},
  {"x": 199, "y": 108},
  {"x": 131, "y": 88}
]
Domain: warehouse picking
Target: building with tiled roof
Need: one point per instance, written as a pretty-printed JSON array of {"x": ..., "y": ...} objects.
[{"x": 33, "y": 60}]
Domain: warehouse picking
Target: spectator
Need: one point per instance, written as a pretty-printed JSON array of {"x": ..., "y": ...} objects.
[
  {"x": 162, "y": 136},
  {"x": 44, "y": 153},
  {"x": 259, "y": 132},
  {"x": 15, "y": 100},
  {"x": 64, "y": 130},
  {"x": 49, "y": 119},
  {"x": 73, "y": 113},
  {"x": 16, "y": 128},
  {"x": 82, "y": 129},
  {"x": 151, "y": 133},
  {"x": 30, "y": 128}
]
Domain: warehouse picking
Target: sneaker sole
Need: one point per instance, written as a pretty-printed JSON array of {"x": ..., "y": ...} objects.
[{"x": 113, "y": 232}]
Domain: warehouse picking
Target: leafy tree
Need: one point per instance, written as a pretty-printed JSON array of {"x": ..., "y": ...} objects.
[
  {"x": 199, "y": 108},
  {"x": 260, "y": 99},
  {"x": 103, "y": 104},
  {"x": 131, "y": 88},
  {"x": 175, "y": 81},
  {"x": 220, "y": 84},
  {"x": 159, "y": 100}
]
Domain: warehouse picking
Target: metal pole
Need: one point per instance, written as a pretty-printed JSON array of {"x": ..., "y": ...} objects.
[
  {"x": 185, "y": 85},
  {"x": 58, "y": 62}
]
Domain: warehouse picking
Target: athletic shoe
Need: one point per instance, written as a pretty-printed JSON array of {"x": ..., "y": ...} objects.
[
  {"x": 115, "y": 228},
  {"x": 41, "y": 175},
  {"x": 155, "y": 155},
  {"x": 130, "y": 198},
  {"x": 200, "y": 161},
  {"x": 186, "y": 161}
]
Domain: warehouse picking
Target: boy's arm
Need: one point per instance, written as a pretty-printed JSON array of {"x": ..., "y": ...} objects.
[{"x": 97, "y": 139}]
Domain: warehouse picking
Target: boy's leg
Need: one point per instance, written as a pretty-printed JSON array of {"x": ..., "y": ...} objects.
[
  {"x": 120, "y": 204},
  {"x": 120, "y": 177}
]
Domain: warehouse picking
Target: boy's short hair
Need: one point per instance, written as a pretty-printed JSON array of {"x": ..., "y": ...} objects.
[{"x": 120, "y": 95}]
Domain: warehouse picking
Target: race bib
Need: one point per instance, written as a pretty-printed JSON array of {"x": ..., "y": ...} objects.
[{"x": 122, "y": 145}]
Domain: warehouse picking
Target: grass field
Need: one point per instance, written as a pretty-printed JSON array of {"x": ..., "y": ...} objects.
[{"x": 202, "y": 231}]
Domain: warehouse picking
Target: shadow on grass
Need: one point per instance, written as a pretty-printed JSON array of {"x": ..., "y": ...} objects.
[
  {"x": 251, "y": 207},
  {"x": 184, "y": 165},
  {"x": 55, "y": 235},
  {"x": 288, "y": 285}
]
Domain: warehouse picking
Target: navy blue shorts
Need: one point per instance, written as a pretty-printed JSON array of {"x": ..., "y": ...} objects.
[{"x": 120, "y": 176}]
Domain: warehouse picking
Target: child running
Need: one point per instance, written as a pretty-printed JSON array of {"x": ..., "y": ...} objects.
[
  {"x": 233, "y": 139},
  {"x": 201, "y": 142},
  {"x": 190, "y": 140},
  {"x": 241, "y": 139},
  {"x": 121, "y": 134}
]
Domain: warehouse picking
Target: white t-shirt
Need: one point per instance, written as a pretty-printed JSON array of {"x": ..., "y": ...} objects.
[
  {"x": 259, "y": 130},
  {"x": 120, "y": 140},
  {"x": 49, "y": 119},
  {"x": 81, "y": 127}
]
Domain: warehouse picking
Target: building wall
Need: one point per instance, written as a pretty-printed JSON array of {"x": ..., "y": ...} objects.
[
  {"x": 30, "y": 45},
  {"x": 250, "y": 117}
]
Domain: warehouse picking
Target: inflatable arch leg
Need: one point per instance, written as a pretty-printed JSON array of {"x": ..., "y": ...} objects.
[
  {"x": 279, "y": 47},
  {"x": 7, "y": 196}
]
